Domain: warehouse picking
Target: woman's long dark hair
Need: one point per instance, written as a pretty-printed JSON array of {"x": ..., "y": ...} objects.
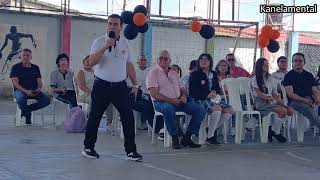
[
  {"x": 259, "y": 75},
  {"x": 210, "y": 60}
]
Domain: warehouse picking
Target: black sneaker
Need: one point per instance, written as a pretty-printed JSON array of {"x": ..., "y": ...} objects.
[
  {"x": 90, "y": 153},
  {"x": 213, "y": 140},
  {"x": 134, "y": 156}
]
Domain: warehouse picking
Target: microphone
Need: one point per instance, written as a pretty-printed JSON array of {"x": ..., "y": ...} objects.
[{"x": 112, "y": 35}]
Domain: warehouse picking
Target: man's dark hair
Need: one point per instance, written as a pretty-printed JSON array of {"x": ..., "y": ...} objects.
[
  {"x": 193, "y": 64},
  {"x": 27, "y": 50},
  {"x": 116, "y": 16},
  {"x": 281, "y": 57},
  {"x": 229, "y": 54},
  {"x": 60, "y": 56},
  {"x": 299, "y": 54}
]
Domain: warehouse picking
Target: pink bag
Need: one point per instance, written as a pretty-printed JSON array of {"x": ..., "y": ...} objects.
[{"x": 75, "y": 121}]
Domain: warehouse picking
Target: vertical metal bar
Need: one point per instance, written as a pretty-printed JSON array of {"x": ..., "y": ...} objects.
[
  {"x": 107, "y": 7},
  {"x": 160, "y": 7},
  {"x": 124, "y": 5},
  {"x": 255, "y": 45},
  {"x": 219, "y": 10},
  {"x": 65, "y": 8},
  {"x": 233, "y": 10}
]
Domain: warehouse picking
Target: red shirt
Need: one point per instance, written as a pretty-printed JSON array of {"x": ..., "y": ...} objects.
[{"x": 239, "y": 72}]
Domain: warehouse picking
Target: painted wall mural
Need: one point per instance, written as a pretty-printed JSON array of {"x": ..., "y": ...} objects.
[{"x": 13, "y": 39}]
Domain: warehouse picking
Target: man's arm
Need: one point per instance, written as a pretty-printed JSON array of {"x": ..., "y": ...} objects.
[
  {"x": 294, "y": 96},
  {"x": 39, "y": 82},
  {"x": 316, "y": 94},
  {"x": 16, "y": 84},
  {"x": 97, "y": 53},
  {"x": 132, "y": 73},
  {"x": 154, "y": 92},
  {"x": 4, "y": 44}
]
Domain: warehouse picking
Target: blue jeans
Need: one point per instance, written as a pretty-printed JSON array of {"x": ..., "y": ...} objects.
[
  {"x": 307, "y": 111},
  {"x": 22, "y": 98},
  {"x": 169, "y": 111}
]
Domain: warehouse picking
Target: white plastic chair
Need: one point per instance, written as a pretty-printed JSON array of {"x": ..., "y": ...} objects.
[
  {"x": 235, "y": 87},
  {"x": 300, "y": 121},
  {"x": 18, "y": 111},
  {"x": 167, "y": 138}
]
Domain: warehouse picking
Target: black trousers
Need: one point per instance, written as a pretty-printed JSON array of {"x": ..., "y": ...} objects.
[
  {"x": 145, "y": 107},
  {"x": 69, "y": 97},
  {"x": 103, "y": 94}
]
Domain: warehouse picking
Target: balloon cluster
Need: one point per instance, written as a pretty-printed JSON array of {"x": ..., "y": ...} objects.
[
  {"x": 206, "y": 31},
  {"x": 136, "y": 22},
  {"x": 268, "y": 37}
]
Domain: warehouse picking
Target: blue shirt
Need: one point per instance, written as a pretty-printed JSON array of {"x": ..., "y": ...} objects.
[{"x": 27, "y": 75}]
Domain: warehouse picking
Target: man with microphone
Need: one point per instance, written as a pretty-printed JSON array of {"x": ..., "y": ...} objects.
[{"x": 111, "y": 57}]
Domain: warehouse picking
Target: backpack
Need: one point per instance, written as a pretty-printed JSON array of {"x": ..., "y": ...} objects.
[{"x": 75, "y": 121}]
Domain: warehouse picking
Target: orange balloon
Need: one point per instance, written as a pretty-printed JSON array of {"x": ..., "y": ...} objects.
[
  {"x": 195, "y": 26},
  {"x": 267, "y": 31},
  {"x": 275, "y": 34},
  {"x": 263, "y": 41},
  {"x": 139, "y": 19}
]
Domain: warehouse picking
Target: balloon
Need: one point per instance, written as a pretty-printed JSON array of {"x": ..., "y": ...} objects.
[
  {"x": 263, "y": 41},
  {"x": 207, "y": 31},
  {"x": 273, "y": 46},
  {"x": 144, "y": 28},
  {"x": 195, "y": 26},
  {"x": 140, "y": 9},
  {"x": 267, "y": 30},
  {"x": 130, "y": 31},
  {"x": 127, "y": 17},
  {"x": 275, "y": 34},
  {"x": 139, "y": 19}
]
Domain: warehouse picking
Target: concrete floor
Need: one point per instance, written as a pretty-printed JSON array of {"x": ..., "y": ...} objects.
[{"x": 48, "y": 153}]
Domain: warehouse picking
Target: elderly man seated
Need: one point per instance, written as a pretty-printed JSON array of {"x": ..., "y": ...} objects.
[{"x": 169, "y": 96}]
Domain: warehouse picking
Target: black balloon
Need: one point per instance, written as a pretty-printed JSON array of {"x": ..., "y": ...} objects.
[
  {"x": 273, "y": 46},
  {"x": 207, "y": 31},
  {"x": 140, "y": 9},
  {"x": 131, "y": 31},
  {"x": 127, "y": 17},
  {"x": 144, "y": 28}
]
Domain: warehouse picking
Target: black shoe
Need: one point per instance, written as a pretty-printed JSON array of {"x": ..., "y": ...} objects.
[
  {"x": 90, "y": 153},
  {"x": 27, "y": 115},
  {"x": 280, "y": 138},
  {"x": 213, "y": 140},
  {"x": 175, "y": 142},
  {"x": 187, "y": 142},
  {"x": 134, "y": 156}
]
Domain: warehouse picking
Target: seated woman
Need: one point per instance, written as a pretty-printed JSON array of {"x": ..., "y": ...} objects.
[
  {"x": 267, "y": 99},
  {"x": 177, "y": 69},
  {"x": 85, "y": 79},
  {"x": 61, "y": 82},
  {"x": 223, "y": 69},
  {"x": 203, "y": 89}
]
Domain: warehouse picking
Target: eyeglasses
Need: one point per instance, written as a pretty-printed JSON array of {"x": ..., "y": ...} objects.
[{"x": 231, "y": 59}]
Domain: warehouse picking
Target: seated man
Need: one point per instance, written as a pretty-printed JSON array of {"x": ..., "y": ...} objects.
[
  {"x": 235, "y": 70},
  {"x": 169, "y": 96},
  {"x": 61, "y": 82},
  {"x": 26, "y": 80},
  {"x": 282, "y": 62},
  {"x": 302, "y": 90}
]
